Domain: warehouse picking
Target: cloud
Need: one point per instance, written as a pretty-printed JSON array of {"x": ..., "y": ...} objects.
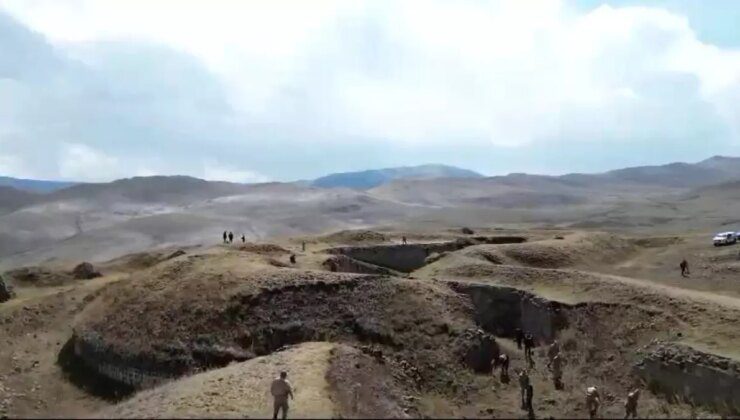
[
  {"x": 82, "y": 162},
  {"x": 217, "y": 171},
  {"x": 291, "y": 89}
]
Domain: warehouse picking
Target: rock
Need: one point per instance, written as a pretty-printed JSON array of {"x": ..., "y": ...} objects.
[
  {"x": 477, "y": 349},
  {"x": 6, "y": 291},
  {"x": 467, "y": 231},
  {"x": 85, "y": 271}
]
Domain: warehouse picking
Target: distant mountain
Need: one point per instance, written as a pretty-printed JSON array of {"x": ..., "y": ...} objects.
[
  {"x": 151, "y": 189},
  {"x": 375, "y": 177},
  {"x": 715, "y": 170},
  {"x": 33, "y": 185}
]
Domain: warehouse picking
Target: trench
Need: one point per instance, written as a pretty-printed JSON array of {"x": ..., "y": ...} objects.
[
  {"x": 502, "y": 310},
  {"x": 410, "y": 257},
  {"x": 681, "y": 373},
  {"x": 245, "y": 331}
]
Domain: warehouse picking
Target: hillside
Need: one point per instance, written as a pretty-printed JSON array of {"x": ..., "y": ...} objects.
[
  {"x": 375, "y": 177},
  {"x": 12, "y": 199}
]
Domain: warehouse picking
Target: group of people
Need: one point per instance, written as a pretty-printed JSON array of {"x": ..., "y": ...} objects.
[
  {"x": 555, "y": 365},
  {"x": 229, "y": 237}
]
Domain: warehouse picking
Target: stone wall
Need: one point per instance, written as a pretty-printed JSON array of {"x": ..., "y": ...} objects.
[{"x": 684, "y": 373}]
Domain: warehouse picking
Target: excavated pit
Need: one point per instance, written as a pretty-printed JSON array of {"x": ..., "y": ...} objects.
[
  {"x": 682, "y": 373},
  {"x": 501, "y": 310},
  {"x": 409, "y": 257},
  {"x": 139, "y": 334},
  {"x": 344, "y": 264}
]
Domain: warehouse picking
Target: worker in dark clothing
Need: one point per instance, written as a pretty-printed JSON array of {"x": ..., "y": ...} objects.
[
  {"x": 292, "y": 258},
  {"x": 630, "y": 405},
  {"x": 530, "y": 395},
  {"x": 403, "y": 239},
  {"x": 226, "y": 236},
  {"x": 523, "y": 376},
  {"x": 684, "y": 268},
  {"x": 528, "y": 346},
  {"x": 502, "y": 361},
  {"x": 231, "y": 237},
  {"x": 519, "y": 336},
  {"x": 244, "y": 239},
  {"x": 303, "y": 246}
]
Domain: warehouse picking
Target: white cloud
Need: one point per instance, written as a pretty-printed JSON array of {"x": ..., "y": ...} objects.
[
  {"x": 517, "y": 73},
  {"x": 82, "y": 163},
  {"x": 218, "y": 171}
]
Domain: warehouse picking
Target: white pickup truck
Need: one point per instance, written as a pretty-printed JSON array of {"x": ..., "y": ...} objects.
[{"x": 725, "y": 238}]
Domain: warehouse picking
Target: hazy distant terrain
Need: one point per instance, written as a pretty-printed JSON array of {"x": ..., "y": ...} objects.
[
  {"x": 34, "y": 185},
  {"x": 101, "y": 221},
  {"x": 375, "y": 177}
]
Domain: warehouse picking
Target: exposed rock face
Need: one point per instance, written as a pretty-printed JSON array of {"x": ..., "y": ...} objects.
[
  {"x": 700, "y": 378},
  {"x": 85, "y": 271},
  {"x": 477, "y": 349},
  {"x": 501, "y": 310},
  {"x": 6, "y": 291},
  {"x": 345, "y": 264}
]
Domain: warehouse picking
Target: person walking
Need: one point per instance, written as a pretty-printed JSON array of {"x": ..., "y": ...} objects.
[
  {"x": 226, "y": 236},
  {"x": 684, "y": 268},
  {"x": 281, "y": 390}
]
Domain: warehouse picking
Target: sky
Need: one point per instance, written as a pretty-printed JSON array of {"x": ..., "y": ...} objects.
[{"x": 255, "y": 91}]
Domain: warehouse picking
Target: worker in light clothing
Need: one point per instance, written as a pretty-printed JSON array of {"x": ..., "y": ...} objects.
[{"x": 281, "y": 390}]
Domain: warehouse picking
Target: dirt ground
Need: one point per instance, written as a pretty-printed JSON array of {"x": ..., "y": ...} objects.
[{"x": 625, "y": 292}]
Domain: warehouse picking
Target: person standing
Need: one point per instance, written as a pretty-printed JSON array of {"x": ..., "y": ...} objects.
[
  {"x": 281, "y": 390},
  {"x": 528, "y": 345},
  {"x": 556, "y": 364},
  {"x": 519, "y": 336},
  {"x": 523, "y": 386},
  {"x": 231, "y": 237},
  {"x": 226, "y": 236},
  {"x": 593, "y": 401},
  {"x": 630, "y": 406}
]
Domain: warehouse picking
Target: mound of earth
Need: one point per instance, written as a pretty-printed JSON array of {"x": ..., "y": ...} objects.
[
  {"x": 263, "y": 248},
  {"x": 38, "y": 276},
  {"x": 205, "y": 311},
  {"x": 329, "y": 380},
  {"x": 355, "y": 236},
  {"x": 566, "y": 251}
]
